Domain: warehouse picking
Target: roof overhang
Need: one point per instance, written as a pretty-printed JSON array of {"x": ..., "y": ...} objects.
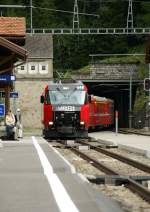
[
  {"x": 9, "y": 54},
  {"x": 12, "y": 47}
]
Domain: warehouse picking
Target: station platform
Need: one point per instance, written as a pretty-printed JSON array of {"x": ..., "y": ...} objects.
[
  {"x": 132, "y": 142},
  {"x": 34, "y": 177}
]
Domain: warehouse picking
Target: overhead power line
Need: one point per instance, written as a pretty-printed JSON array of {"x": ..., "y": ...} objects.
[
  {"x": 65, "y": 11},
  {"x": 48, "y": 9}
]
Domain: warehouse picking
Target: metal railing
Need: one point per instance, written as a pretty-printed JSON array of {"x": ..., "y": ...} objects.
[{"x": 88, "y": 31}]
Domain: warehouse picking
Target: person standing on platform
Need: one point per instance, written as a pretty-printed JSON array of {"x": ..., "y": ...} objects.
[
  {"x": 10, "y": 124},
  {"x": 19, "y": 124}
]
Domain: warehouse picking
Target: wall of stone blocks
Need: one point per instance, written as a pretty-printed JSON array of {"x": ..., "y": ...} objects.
[
  {"x": 114, "y": 71},
  {"x": 29, "y": 101}
]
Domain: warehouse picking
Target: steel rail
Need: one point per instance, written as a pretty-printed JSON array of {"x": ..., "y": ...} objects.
[
  {"x": 121, "y": 158},
  {"x": 133, "y": 132},
  {"x": 131, "y": 184},
  {"x": 141, "y": 190},
  {"x": 94, "y": 162}
]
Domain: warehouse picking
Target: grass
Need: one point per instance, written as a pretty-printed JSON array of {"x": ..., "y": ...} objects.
[
  {"x": 124, "y": 59},
  {"x": 83, "y": 71}
]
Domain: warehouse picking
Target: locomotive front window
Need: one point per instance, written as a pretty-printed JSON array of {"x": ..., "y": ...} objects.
[{"x": 67, "y": 97}]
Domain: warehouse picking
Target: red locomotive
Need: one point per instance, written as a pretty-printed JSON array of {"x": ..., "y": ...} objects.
[{"x": 68, "y": 110}]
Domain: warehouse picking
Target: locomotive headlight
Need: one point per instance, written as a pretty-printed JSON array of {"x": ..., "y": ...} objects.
[
  {"x": 62, "y": 115},
  {"x": 50, "y": 123},
  {"x": 81, "y": 122}
]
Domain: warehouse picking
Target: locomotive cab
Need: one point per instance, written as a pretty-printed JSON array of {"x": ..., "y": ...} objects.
[{"x": 66, "y": 110}]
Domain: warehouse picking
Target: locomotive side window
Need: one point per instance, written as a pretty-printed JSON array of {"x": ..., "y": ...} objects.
[
  {"x": 86, "y": 99},
  {"x": 47, "y": 98}
]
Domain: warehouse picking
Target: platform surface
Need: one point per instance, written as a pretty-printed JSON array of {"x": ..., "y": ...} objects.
[
  {"x": 133, "y": 142},
  {"x": 34, "y": 178}
]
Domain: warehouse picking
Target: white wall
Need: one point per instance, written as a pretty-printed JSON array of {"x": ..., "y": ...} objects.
[{"x": 37, "y": 69}]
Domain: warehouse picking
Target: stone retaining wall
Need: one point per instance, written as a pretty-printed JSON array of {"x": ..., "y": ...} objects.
[{"x": 114, "y": 71}]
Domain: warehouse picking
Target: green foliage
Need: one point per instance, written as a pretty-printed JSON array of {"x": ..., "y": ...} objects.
[
  {"x": 124, "y": 59},
  {"x": 143, "y": 71},
  {"x": 140, "y": 101},
  {"x": 84, "y": 71},
  {"x": 72, "y": 52}
]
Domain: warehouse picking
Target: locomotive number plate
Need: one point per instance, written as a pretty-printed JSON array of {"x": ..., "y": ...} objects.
[{"x": 66, "y": 108}]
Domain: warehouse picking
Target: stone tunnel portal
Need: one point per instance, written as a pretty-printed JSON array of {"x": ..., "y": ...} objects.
[{"x": 119, "y": 91}]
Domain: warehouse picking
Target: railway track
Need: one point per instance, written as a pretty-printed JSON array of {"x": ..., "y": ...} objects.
[
  {"x": 121, "y": 158},
  {"x": 128, "y": 131},
  {"x": 130, "y": 183}
]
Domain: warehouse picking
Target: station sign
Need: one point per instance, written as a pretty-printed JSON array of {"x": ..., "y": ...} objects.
[
  {"x": 7, "y": 78},
  {"x": 13, "y": 94},
  {"x": 2, "y": 110}
]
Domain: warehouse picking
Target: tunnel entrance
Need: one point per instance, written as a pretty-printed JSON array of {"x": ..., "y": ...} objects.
[{"x": 117, "y": 90}]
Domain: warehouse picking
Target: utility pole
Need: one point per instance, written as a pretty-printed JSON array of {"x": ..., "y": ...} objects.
[
  {"x": 76, "y": 16},
  {"x": 84, "y": 7},
  {"x": 130, "y": 99},
  {"x": 130, "y": 15},
  {"x": 31, "y": 16}
]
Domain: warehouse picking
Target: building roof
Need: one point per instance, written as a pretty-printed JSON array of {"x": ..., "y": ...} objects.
[
  {"x": 39, "y": 46},
  {"x": 10, "y": 53},
  {"x": 14, "y": 48},
  {"x": 12, "y": 26}
]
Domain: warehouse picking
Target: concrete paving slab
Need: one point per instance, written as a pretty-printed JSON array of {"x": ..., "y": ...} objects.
[
  {"x": 85, "y": 197},
  {"x": 25, "y": 186},
  {"x": 55, "y": 160},
  {"x": 25, "y": 192},
  {"x": 19, "y": 158}
]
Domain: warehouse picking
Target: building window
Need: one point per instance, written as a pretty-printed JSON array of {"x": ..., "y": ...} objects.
[
  {"x": 43, "y": 68},
  {"x": 32, "y": 68},
  {"x": 22, "y": 68}
]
